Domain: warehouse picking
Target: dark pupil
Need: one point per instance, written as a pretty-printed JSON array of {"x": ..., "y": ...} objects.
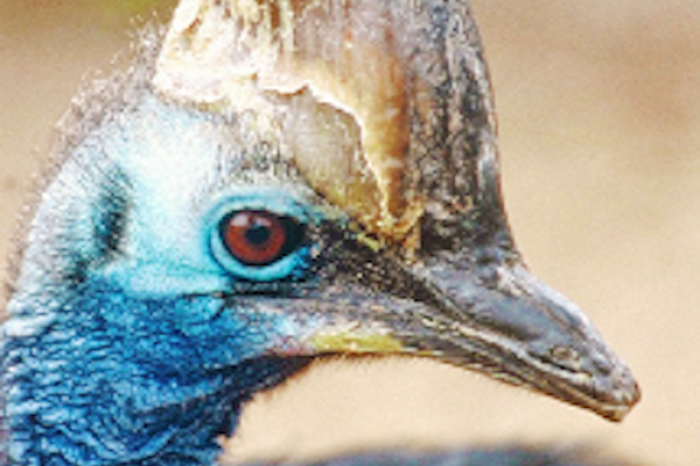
[{"x": 258, "y": 234}]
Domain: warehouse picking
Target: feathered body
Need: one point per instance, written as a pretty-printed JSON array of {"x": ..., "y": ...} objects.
[{"x": 192, "y": 249}]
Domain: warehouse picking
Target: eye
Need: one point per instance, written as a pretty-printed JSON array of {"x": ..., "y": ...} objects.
[
  {"x": 261, "y": 235},
  {"x": 259, "y": 238}
]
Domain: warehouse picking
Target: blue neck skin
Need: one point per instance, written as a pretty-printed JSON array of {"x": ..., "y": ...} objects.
[
  {"x": 113, "y": 380},
  {"x": 97, "y": 372}
]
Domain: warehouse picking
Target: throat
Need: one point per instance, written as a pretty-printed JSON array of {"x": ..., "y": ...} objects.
[
  {"x": 153, "y": 427},
  {"x": 141, "y": 386}
]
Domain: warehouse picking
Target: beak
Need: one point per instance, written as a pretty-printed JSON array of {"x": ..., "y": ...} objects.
[
  {"x": 515, "y": 328},
  {"x": 499, "y": 320}
]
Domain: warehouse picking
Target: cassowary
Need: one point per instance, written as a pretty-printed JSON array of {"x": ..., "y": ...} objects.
[{"x": 271, "y": 182}]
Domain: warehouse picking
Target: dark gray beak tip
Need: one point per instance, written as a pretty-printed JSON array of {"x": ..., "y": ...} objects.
[{"x": 515, "y": 328}]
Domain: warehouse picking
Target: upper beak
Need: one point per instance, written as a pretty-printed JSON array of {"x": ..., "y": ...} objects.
[
  {"x": 508, "y": 325},
  {"x": 517, "y": 329}
]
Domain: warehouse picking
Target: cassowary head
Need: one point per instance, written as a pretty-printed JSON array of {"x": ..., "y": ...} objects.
[{"x": 287, "y": 180}]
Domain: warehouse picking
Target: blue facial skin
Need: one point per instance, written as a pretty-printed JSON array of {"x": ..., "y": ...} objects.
[{"x": 125, "y": 344}]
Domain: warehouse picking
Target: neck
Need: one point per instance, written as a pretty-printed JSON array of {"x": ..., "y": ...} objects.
[{"x": 105, "y": 379}]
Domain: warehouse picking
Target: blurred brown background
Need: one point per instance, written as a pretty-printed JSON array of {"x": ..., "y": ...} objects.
[{"x": 599, "y": 106}]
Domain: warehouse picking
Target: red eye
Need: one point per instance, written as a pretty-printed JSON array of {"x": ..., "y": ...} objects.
[{"x": 258, "y": 237}]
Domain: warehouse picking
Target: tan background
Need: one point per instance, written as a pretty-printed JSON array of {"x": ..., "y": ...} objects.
[{"x": 599, "y": 106}]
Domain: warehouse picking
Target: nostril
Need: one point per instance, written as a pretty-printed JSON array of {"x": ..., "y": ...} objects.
[
  {"x": 564, "y": 353},
  {"x": 566, "y": 357}
]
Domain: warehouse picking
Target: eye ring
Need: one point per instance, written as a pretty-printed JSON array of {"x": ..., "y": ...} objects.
[
  {"x": 290, "y": 261},
  {"x": 259, "y": 238}
]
